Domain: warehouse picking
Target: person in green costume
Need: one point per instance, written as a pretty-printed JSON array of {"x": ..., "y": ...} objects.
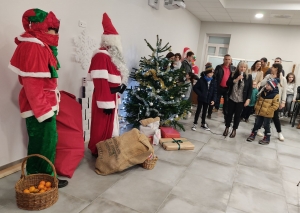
[{"x": 35, "y": 62}]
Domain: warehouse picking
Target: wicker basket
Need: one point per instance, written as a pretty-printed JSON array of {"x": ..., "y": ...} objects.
[
  {"x": 36, "y": 201},
  {"x": 150, "y": 164}
]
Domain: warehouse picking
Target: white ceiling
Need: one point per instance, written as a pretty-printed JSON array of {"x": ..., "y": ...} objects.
[{"x": 243, "y": 11}]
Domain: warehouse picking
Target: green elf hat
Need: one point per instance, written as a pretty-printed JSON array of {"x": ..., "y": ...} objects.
[{"x": 39, "y": 20}]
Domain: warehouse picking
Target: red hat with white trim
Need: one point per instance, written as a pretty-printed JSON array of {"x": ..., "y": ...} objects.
[
  {"x": 185, "y": 51},
  {"x": 110, "y": 36}
]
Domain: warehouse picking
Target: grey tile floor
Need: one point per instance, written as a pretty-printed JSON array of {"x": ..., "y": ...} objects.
[{"x": 222, "y": 175}]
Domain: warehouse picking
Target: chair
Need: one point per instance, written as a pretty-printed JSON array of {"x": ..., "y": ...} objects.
[{"x": 296, "y": 108}]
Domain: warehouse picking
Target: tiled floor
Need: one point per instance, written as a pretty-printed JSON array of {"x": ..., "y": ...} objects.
[{"x": 222, "y": 175}]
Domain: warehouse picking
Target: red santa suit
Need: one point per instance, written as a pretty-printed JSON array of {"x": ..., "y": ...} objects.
[{"x": 107, "y": 77}]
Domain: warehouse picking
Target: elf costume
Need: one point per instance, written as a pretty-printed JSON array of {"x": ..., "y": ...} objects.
[
  {"x": 34, "y": 60},
  {"x": 108, "y": 72}
]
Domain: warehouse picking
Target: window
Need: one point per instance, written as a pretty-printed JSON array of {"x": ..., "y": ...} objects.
[{"x": 217, "y": 45}]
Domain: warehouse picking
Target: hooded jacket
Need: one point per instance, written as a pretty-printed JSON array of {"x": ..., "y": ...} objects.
[{"x": 267, "y": 103}]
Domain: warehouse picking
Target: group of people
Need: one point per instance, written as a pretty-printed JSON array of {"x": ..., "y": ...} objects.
[{"x": 262, "y": 90}]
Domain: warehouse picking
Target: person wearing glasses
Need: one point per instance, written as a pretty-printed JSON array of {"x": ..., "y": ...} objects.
[{"x": 278, "y": 60}]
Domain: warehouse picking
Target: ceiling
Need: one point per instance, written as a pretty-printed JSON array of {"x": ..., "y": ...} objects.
[{"x": 283, "y": 12}]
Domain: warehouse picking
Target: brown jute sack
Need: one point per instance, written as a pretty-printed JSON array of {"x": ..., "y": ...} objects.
[{"x": 119, "y": 153}]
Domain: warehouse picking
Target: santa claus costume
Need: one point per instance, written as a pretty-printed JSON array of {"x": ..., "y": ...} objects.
[
  {"x": 108, "y": 72},
  {"x": 35, "y": 62}
]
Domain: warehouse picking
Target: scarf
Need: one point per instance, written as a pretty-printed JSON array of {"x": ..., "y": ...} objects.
[{"x": 208, "y": 79}]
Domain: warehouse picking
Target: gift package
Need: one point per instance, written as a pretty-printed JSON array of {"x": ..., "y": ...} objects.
[
  {"x": 172, "y": 144},
  {"x": 150, "y": 128},
  {"x": 169, "y": 132},
  {"x": 86, "y": 107}
]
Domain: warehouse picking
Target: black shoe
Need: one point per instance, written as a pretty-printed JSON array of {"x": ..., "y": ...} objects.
[
  {"x": 95, "y": 155},
  {"x": 209, "y": 116},
  {"x": 62, "y": 183},
  {"x": 225, "y": 133},
  {"x": 233, "y": 133}
]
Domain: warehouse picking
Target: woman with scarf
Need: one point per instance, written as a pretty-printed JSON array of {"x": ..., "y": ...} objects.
[
  {"x": 239, "y": 93},
  {"x": 206, "y": 89},
  {"x": 35, "y": 63}
]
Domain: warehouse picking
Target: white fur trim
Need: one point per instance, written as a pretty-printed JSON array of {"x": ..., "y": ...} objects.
[
  {"x": 29, "y": 113},
  {"x": 105, "y": 75},
  {"x": 29, "y": 74},
  {"x": 45, "y": 116},
  {"x": 33, "y": 40},
  {"x": 112, "y": 40},
  {"x": 100, "y": 51},
  {"x": 106, "y": 104}
]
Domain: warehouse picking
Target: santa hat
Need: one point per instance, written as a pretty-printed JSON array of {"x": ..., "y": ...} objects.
[
  {"x": 39, "y": 20},
  {"x": 185, "y": 51},
  {"x": 273, "y": 83},
  {"x": 110, "y": 36}
]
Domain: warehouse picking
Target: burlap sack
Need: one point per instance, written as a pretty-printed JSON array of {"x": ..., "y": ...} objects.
[
  {"x": 147, "y": 121},
  {"x": 119, "y": 153}
]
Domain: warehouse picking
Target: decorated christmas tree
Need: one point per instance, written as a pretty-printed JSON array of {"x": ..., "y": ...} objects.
[{"x": 160, "y": 92}]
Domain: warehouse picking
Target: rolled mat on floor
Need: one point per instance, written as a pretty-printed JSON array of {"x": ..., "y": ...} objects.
[
  {"x": 70, "y": 145},
  {"x": 119, "y": 153}
]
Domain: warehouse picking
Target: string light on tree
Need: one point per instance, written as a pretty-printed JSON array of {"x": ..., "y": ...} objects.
[{"x": 159, "y": 91}]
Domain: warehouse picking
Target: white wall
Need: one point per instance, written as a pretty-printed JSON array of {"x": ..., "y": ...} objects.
[
  {"x": 133, "y": 19},
  {"x": 254, "y": 41}
]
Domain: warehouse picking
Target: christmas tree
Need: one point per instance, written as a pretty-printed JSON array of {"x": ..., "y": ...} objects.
[{"x": 160, "y": 92}]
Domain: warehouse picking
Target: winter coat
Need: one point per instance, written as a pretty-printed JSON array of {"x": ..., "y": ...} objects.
[
  {"x": 206, "y": 94},
  {"x": 281, "y": 86},
  {"x": 267, "y": 103},
  {"x": 219, "y": 73},
  {"x": 247, "y": 91}
]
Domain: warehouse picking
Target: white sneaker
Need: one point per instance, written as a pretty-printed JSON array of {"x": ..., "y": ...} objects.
[
  {"x": 280, "y": 136},
  {"x": 260, "y": 134},
  {"x": 194, "y": 127},
  {"x": 205, "y": 127}
]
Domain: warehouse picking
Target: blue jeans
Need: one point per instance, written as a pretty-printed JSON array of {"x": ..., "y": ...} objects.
[{"x": 259, "y": 121}]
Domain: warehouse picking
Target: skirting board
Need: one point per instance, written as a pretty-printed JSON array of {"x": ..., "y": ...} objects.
[{"x": 10, "y": 170}]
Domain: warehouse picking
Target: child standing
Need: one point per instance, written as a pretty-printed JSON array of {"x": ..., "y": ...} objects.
[
  {"x": 248, "y": 110},
  {"x": 206, "y": 89},
  {"x": 265, "y": 107}
]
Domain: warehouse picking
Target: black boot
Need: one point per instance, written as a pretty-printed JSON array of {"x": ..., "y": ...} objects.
[
  {"x": 233, "y": 133},
  {"x": 225, "y": 133},
  {"x": 62, "y": 183}
]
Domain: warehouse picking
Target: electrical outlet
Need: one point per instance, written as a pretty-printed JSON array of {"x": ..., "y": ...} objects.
[{"x": 82, "y": 24}]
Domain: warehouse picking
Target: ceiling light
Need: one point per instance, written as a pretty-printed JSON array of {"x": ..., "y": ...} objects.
[{"x": 259, "y": 15}]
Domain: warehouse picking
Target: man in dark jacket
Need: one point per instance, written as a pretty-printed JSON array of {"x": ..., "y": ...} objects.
[
  {"x": 222, "y": 73},
  {"x": 206, "y": 89},
  {"x": 186, "y": 63}
]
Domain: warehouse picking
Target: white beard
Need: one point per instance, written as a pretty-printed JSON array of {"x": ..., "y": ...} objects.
[{"x": 114, "y": 48}]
